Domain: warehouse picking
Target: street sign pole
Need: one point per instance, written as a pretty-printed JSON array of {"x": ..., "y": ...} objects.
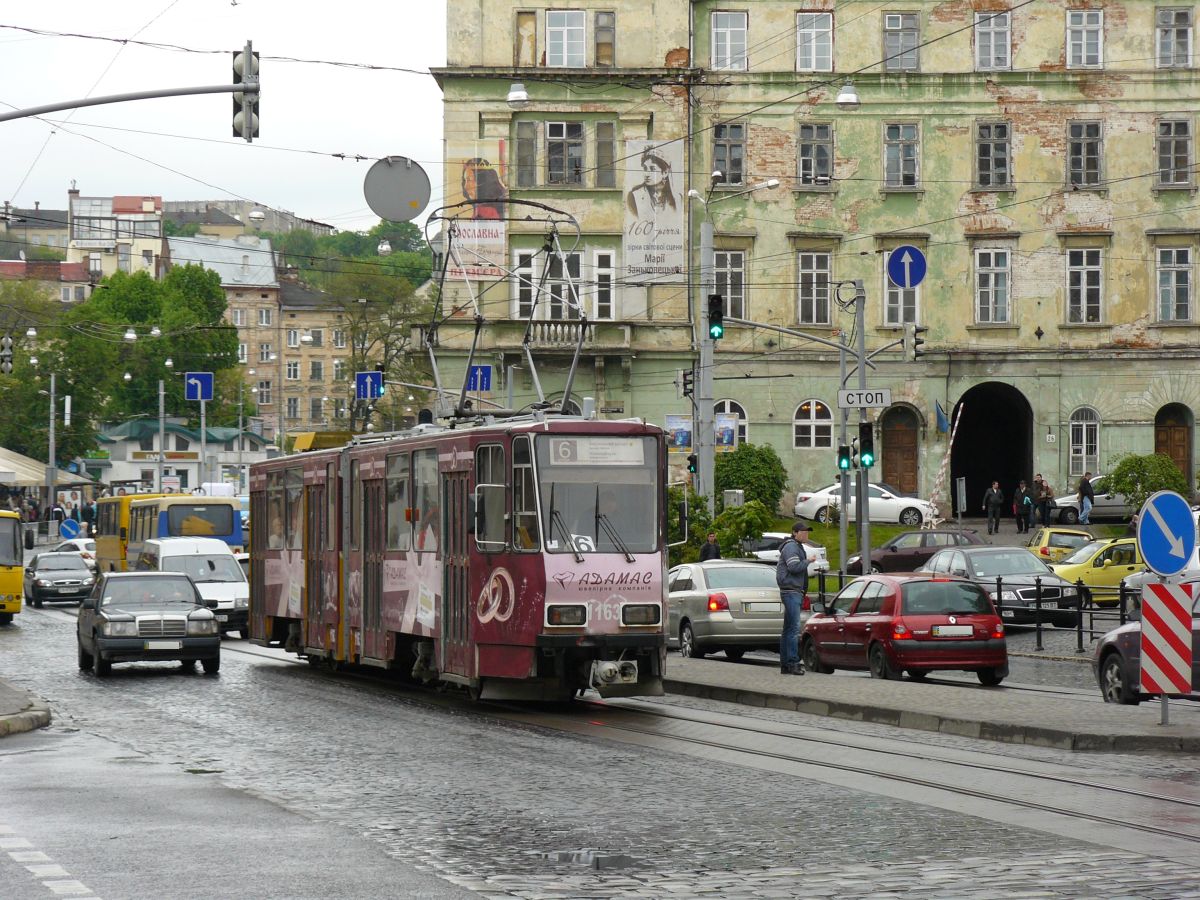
[
  {"x": 203, "y": 443},
  {"x": 844, "y": 477},
  {"x": 864, "y": 473}
]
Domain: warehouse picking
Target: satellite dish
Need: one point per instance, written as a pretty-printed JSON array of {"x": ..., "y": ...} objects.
[{"x": 397, "y": 189}]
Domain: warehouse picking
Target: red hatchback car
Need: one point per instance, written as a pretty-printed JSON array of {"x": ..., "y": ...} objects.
[{"x": 917, "y": 624}]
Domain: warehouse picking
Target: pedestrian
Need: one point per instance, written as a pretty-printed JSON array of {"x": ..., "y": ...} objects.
[
  {"x": 1087, "y": 498},
  {"x": 1023, "y": 507},
  {"x": 1044, "y": 497},
  {"x": 711, "y": 549},
  {"x": 791, "y": 574},
  {"x": 993, "y": 499}
]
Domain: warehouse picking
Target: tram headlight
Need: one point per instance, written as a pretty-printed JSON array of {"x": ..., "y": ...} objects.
[
  {"x": 566, "y": 615},
  {"x": 641, "y": 614}
]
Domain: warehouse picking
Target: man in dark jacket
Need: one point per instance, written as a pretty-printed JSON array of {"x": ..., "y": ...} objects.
[
  {"x": 711, "y": 549},
  {"x": 1023, "y": 508},
  {"x": 992, "y": 501},
  {"x": 791, "y": 574},
  {"x": 1087, "y": 498}
]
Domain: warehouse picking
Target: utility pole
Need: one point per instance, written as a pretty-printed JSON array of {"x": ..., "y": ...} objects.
[
  {"x": 162, "y": 432},
  {"x": 703, "y": 436},
  {"x": 864, "y": 471},
  {"x": 51, "y": 470},
  {"x": 844, "y": 476}
]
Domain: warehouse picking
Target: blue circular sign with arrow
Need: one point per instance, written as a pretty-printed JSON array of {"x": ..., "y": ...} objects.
[
  {"x": 906, "y": 266},
  {"x": 1166, "y": 533}
]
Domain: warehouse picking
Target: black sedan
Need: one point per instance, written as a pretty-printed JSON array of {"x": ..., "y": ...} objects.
[
  {"x": 151, "y": 616},
  {"x": 1011, "y": 576},
  {"x": 57, "y": 576},
  {"x": 909, "y": 550}
]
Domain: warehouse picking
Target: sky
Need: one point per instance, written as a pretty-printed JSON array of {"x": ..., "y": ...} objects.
[{"x": 151, "y": 147}]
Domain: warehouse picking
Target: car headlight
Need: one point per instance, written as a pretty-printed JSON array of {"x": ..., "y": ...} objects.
[
  {"x": 1068, "y": 592},
  {"x": 241, "y": 602},
  {"x": 1005, "y": 596},
  {"x": 42, "y": 582},
  {"x": 202, "y": 626},
  {"x": 852, "y": 560},
  {"x": 119, "y": 628}
]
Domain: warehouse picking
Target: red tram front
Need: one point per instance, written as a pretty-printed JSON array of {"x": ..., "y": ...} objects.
[{"x": 522, "y": 560}]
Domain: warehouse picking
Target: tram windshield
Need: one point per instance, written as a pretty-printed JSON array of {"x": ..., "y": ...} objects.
[{"x": 599, "y": 493}]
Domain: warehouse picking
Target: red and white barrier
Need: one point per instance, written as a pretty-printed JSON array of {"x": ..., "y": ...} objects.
[{"x": 1167, "y": 639}]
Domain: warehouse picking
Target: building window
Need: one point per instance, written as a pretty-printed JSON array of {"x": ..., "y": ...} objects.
[
  {"x": 147, "y": 259},
  {"x": 1085, "y": 441},
  {"x": 606, "y": 39},
  {"x": 606, "y": 153},
  {"x": 729, "y": 151},
  {"x": 1174, "y": 38},
  {"x": 991, "y": 287},
  {"x": 901, "y": 37},
  {"x": 733, "y": 408},
  {"x": 315, "y": 409},
  {"x": 901, "y": 156},
  {"x": 242, "y": 352},
  {"x": 566, "y": 38},
  {"x": 1085, "y": 153},
  {"x": 603, "y": 273},
  {"x": 238, "y": 317},
  {"x": 1174, "y": 284},
  {"x": 564, "y": 289},
  {"x": 816, "y": 155},
  {"x": 292, "y": 371},
  {"x": 993, "y": 41},
  {"x": 525, "y": 49},
  {"x": 729, "y": 41},
  {"x": 318, "y": 336},
  {"x": 264, "y": 393},
  {"x": 66, "y": 295},
  {"x": 525, "y": 290},
  {"x": 1084, "y": 270},
  {"x": 1174, "y": 153},
  {"x": 264, "y": 352},
  {"x": 564, "y": 153},
  {"x": 1085, "y": 39},
  {"x": 814, "y": 42},
  {"x": 293, "y": 337},
  {"x": 339, "y": 339},
  {"x": 339, "y": 370},
  {"x": 526, "y": 154},
  {"x": 264, "y": 317},
  {"x": 79, "y": 292},
  {"x": 729, "y": 269},
  {"x": 316, "y": 370},
  {"x": 993, "y": 155},
  {"x": 95, "y": 265},
  {"x": 293, "y": 407},
  {"x": 812, "y": 426},
  {"x": 900, "y": 304},
  {"x": 815, "y": 273}
]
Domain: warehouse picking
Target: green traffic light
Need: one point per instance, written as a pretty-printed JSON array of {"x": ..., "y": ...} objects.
[{"x": 716, "y": 331}]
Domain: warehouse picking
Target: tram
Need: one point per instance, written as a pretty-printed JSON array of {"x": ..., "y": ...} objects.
[{"x": 519, "y": 558}]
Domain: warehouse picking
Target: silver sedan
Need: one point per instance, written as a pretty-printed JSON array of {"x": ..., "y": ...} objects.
[{"x": 725, "y": 605}]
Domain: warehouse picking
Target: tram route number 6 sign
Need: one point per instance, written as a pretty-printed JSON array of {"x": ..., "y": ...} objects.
[{"x": 596, "y": 451}]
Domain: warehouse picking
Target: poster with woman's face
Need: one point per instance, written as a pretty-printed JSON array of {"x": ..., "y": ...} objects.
[
  {"x": 654, "y": 244},
  {"x": 478, "y": 175}
]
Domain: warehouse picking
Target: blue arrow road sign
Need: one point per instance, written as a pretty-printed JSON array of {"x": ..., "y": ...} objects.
[
  {"x": 906, "y": 266},
  {"x": 68, "y": 528},
  {"x": 198, "y": 386},
  {"x": 368, "y": 385},
  {"x": 1166, "y": 533},
  {"x": 480, "y": 378}
]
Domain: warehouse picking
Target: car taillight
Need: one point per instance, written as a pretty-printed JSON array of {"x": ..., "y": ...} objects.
[
  {"x": 1045, "y": 551},
  {"x": 998, "y": 631},
  {"x": 718, "y": 603},
  {"x": 800, "y": 498},
  {"x": 900, "y": 632}
]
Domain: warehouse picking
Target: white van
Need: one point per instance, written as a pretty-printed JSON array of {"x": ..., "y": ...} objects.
[{"x": 214, "y": 570}]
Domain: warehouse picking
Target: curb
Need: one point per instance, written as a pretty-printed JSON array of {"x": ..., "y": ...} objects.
[
  {"x": 976, "y": 728},
  {"x": 35, "y": 715}
]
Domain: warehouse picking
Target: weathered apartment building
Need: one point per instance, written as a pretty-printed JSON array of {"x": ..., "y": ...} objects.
[{"x": 1042, "y": 155}]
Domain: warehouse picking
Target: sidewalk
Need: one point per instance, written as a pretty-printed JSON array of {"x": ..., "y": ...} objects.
[
  {"x": 20, "y": 711},
  {"x": 995, "y": 714}
]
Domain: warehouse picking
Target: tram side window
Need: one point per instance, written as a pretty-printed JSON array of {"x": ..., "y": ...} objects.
[
  {"x": 331, "y": 492},
  {"x": 490, "y": 490},
  {"x": 399, "y": 530},
  {"x": 427, "y": 520},
  {"x": 294, "y": 497},
  {"x": 355, "y": 505},
  {"x": 525, "y": 520},
  {"x": 275, "y": 510}
]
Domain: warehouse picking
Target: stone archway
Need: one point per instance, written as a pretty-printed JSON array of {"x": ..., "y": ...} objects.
[
  {"x": 1173, "y": 426},
  {"x": 994, "y": 442},
  {"x": 900, "y": 437}
]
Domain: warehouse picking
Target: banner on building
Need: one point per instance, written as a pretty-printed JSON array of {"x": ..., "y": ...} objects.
[
  {"x": 477, "y": 173},
  {"x": 679, "y": 434},
  {"x": 654, "y": 247},
  {"x": 725, "y": 438}
]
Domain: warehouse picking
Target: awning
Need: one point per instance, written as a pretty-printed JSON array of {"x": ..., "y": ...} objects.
[{"x": 21, "y": 471}]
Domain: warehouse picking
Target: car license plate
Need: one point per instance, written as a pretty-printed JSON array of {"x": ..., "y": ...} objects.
[
  {"x": 763, "y": 607},
  {"x": 67, "y": 590},
  {"x": 163, "y": 645},
  {"x": 222, "y": 618},
  {"x": 952, "y": 630},
  {"x": 1008, "y": 613}
]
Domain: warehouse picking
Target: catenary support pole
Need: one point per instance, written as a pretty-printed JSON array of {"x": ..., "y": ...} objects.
[{"x": 704, "y": 436}]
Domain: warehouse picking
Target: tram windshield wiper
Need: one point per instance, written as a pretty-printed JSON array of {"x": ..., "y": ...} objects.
[
  {"x": 556, "y": 519},
  {"x": 613, "y": 536}
]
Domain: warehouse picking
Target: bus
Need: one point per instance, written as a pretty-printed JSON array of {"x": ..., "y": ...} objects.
[
  {"x": 112, "y": 530},
  {"x": 12, "y": 584},
  {"x": 183, "y": 515}
]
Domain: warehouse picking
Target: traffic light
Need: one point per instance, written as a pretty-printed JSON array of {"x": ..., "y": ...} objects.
[
  {"x": 688, "y": 382},
  {"x": 716, "y": 316},
  {"x": 245, "y": 104},
  {"x": 866, "y": 444},
  {"x": 693, "y": 463},
  {"x": 843, "y": 457},
  {"x": 913, "y": 341},
  {"x": 6, "y": 344}
]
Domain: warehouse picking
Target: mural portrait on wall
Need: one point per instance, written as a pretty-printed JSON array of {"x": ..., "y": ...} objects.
[{"x": 482, "y": 185}]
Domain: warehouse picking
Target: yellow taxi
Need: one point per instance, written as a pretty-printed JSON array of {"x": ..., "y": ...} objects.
[
  {"x": 1101, "y": 566},
  {"x": 1055, "y": 544}
]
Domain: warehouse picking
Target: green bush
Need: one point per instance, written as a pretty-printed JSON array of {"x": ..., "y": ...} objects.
[
  {"x": 1137, "y": 477},
  {"x": 755, "y": 469},
  {"x": 740, "y": 523},
  {"x": 699, "y": 524}
]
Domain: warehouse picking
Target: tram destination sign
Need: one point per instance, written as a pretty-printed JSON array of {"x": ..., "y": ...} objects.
[{"x": 877, "y": 398}]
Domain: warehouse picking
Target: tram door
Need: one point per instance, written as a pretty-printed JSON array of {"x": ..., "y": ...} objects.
[
  {"x": 314, "y": 542},
  {"x": 455, "y": 602},
  {"x": 374, "y": 530}
]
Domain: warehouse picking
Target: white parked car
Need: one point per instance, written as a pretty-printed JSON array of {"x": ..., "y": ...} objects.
[
  {"x": 767, "y": 547},
  {"x": 886, "y": 505},
  {"x": 1105, "y": 506},
  {"x": 85, "y": 547}
]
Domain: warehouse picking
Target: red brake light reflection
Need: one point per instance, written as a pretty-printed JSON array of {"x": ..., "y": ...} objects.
[{"x": 718, "y": 603}]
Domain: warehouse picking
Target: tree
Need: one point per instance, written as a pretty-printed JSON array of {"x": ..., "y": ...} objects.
[
  {"x": 699, "y": 524},
  {"x": 741, "y": 523},
  {"x": 755, "y": 469},
  {"x": 1137, "y": 477}
]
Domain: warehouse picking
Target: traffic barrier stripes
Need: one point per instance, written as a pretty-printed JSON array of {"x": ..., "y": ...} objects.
[{"x": 1167, "y": 639}]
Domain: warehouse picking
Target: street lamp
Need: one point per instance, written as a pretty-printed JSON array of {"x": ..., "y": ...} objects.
[
  {"x": 847, "y": 97},
  {"x": 518, "y": 97}
]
